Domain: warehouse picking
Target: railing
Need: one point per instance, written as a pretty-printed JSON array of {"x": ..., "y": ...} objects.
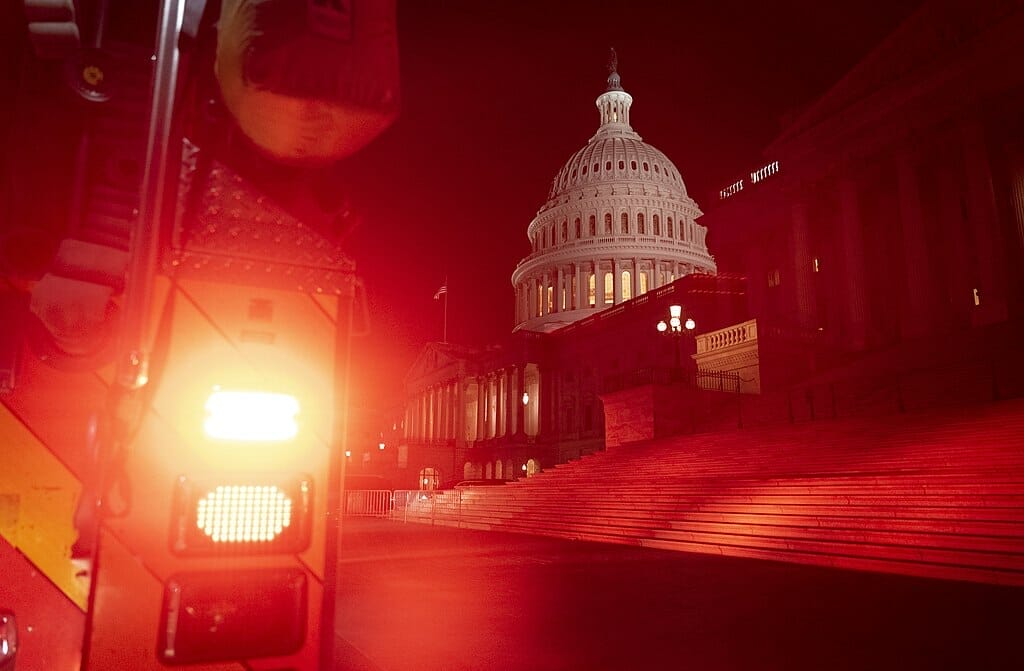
[
  {"x": 369, "y": 503},
  {"x": 708, "y": 380},
  {"x": 727, "y": 337}
]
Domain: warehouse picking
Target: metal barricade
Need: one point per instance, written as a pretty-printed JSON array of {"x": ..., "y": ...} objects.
[
  {"x": 369, "y": 502},
  {"x": 427, "y": 506}
]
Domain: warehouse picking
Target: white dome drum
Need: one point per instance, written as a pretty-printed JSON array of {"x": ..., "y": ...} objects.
[{"x": 617, "y": 223}]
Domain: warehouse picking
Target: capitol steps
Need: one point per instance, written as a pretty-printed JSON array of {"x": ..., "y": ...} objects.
[{"x": 937, "y": 494}]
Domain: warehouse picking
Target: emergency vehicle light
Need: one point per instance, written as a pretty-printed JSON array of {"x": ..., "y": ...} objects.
[
  {"x": 242, "y": 516},
  {"x": 251, "y": 416}
]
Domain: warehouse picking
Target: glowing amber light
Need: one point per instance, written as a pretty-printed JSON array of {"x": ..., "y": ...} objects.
[
  {"x": 251, "y": 416},
  {"x": 244, "y": 513}
]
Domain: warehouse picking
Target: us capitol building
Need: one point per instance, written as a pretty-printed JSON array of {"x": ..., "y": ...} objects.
[{"x": 617, "y": 223}]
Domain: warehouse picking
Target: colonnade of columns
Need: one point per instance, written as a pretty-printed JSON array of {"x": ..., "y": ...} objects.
[
  {"x": 951, "y": 267},
  {"x": 582, "y": 285},
  {"x": 475, "y": 408}
]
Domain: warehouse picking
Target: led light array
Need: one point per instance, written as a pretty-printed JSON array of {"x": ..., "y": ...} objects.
[{"x": 244, "y": 513}]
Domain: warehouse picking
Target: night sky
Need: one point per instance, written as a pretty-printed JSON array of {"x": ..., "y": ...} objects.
[{"x": 497, "y": 96}]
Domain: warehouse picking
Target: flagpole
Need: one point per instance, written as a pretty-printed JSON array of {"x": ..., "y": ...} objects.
[{"x": 445, "y": 338}]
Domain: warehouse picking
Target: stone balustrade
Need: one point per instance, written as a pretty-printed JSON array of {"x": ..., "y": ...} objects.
[{"x": 727, "y": 337}]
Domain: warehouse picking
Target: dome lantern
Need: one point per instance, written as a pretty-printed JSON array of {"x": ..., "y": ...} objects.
[{"x": 614, "y": 103}]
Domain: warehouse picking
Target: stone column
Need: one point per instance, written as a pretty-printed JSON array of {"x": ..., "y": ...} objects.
[
  {"x": 851, "y": 238},
  {"x": 480, "y": 406},
  {"x": 915, "y": 317},
  {"x": 955, "y": 240},
  {"x": 636, "y": 277},
  {"x": 616, "y": 283},
  {"x": 598, "y": 286},
  {"x": 582, "y": 288},
  {"x": 544, "y": 294},
  {"x": 803, "y": 265},
  {"x": 460, "y": 413},
  {"x": 520, "y": 424},
  {"x": 510, "y": 400},
  {"x": 559, "y": 289},
  {"x": 991, "y": 299}
]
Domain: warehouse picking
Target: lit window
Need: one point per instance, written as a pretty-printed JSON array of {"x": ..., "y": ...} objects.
[
  {"x": 627, "y": 285},
  {"x": 643, "y": 283},
  {"x": 609, "y": 289},
  {"x": 591, "y": 289},
  {"x": 774, "y": 278},
  {"x": 977, "y": 297},
  {"x": 538, "y": 297},
  {"x": 551, "y": 300},
  {"x": 817, "y": 265}
]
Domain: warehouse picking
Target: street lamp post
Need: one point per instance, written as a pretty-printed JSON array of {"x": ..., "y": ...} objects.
[{"x": 675, "y": 328}]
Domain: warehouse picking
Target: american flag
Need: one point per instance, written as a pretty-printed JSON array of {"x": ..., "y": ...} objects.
[{"x": 441, "y": 292}]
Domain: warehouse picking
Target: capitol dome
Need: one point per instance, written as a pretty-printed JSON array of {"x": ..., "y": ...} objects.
[{"x": 617, "y": 223}]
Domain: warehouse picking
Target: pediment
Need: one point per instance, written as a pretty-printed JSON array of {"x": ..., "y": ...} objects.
[{"x": 435, "y": 358}]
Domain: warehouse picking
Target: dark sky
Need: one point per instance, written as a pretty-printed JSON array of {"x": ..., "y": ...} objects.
[{"x": 496, "y": 96}]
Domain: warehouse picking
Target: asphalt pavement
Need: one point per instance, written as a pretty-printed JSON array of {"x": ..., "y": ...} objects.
[{"x": 416, "y": 597}]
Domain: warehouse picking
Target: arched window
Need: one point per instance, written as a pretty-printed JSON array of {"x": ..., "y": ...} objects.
[
  {"x": 565, "y": 231},
  {"x": 577, "y": 228},
  {"x": 622, "y": 165},
  {"x": 608, "y": 223},
  {"x": 643, "y": 283},
  {"x": 669, "y": 229},
  {"x": 647, "y": 167},
  {"x": 627, "y": 285},
  {"x": 551, "y": 299},
  {"x": 657, "y": 225},
  {"x": 641, "y": 228},
  {"x": 591, "y": 289},
  {"x": 609, "y": 289},
  {"x": 625, "y": 224},
  {"x": 593, "y": 225},
  {"x": 632, "y": 165}
]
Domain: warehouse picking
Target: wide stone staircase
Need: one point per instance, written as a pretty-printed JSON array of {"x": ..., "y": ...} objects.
[{"x": 937, "y": 493}]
